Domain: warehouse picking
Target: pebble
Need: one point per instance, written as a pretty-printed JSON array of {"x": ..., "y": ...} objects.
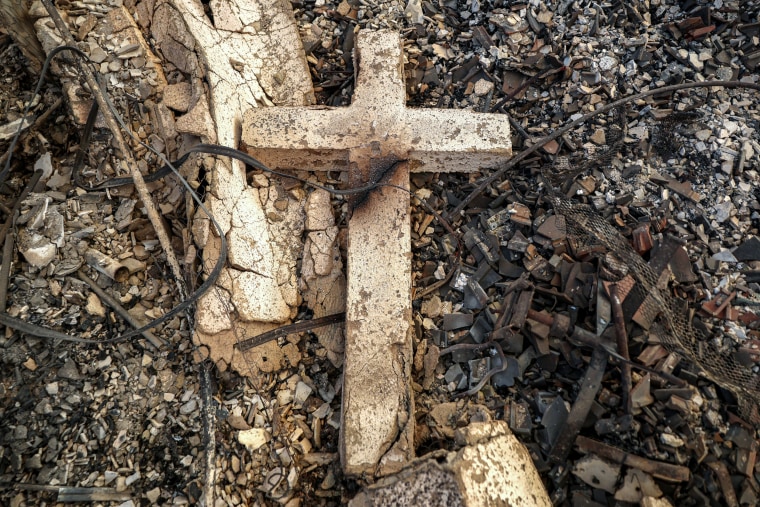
[
  {"x": 52, "y": 388},
  {"x": 671, "y": 440},
  {"x": 238, "y": 422},
  {"x": 189, "y": 407},
  {"x": 95, "y": 306},
  {"x": 724, "y": 256},
  {"x": 284, "y": 397},
  {"x": 432, "y": 307},
  {"x": 120, "y": 439},
  {"x": 607, "y": 63},
  {"x": 36, "y": 249},
  {"x": 696, "y": 62},
  {"x": 483, "y": 87},
  {"x": 723, "y": 211},
  {"x": 322, "y": 411},
  {"x": 132, "y": 478},
  {"x": 413, "y": 12},
  {"x": 109, "y": 476},
  {"x": 344, "y": 8},
  {"x": 598, "y": 137},
  {"x": 253, "y": 438},
  {"x": 281, "y": 204},
  {"x": 20, "y": 432},
  {"x": 153, "y": 495},
  {"x": 724, "y": 73},
  {"x": 104, "y": 363},
  {"x": 97, "y": 55},
  {"x": 329, "y": 481},
  {"x": 303, "y": 391},
  {"x": 445, "y": 416},
  {"x": 141, "y": 253},
  {"x": 260, "y": 181}
]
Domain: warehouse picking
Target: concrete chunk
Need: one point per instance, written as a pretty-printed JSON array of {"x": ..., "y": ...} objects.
[{"x": 493, "y": 469}]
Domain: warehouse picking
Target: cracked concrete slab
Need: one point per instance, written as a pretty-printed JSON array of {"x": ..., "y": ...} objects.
[
  {"x": 323, "y": 283},
  {"x": 367, "y": 139},
  {"x": 250, "y": 56}
]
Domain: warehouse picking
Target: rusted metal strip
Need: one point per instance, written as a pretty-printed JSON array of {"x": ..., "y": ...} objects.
[{"x": 664, "y": 471}]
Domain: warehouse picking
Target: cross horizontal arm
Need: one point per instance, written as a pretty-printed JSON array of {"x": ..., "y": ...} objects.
[
  {"x": 378, "y": 124},
  {"x": 433, "y": 140}
]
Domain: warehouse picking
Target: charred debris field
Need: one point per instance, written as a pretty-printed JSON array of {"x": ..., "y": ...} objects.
[{"x": 601, "y": 294}]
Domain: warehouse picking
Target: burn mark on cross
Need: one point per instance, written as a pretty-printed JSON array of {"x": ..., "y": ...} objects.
[
  {"x": 380, "y": 171},
  {"x": 377, "y": 139}
]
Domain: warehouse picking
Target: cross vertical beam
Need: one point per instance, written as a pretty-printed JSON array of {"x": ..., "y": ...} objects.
[{"x": 377, "y": 421}]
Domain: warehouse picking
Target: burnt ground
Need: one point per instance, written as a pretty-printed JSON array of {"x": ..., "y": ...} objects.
[{"x": 675, "y": 174}]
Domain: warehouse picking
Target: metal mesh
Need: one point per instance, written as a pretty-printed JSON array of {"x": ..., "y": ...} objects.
[{"x": 677, "y": 333}]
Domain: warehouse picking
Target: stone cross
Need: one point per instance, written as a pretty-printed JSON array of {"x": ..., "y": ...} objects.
[{"x": 377, "y": 414}]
